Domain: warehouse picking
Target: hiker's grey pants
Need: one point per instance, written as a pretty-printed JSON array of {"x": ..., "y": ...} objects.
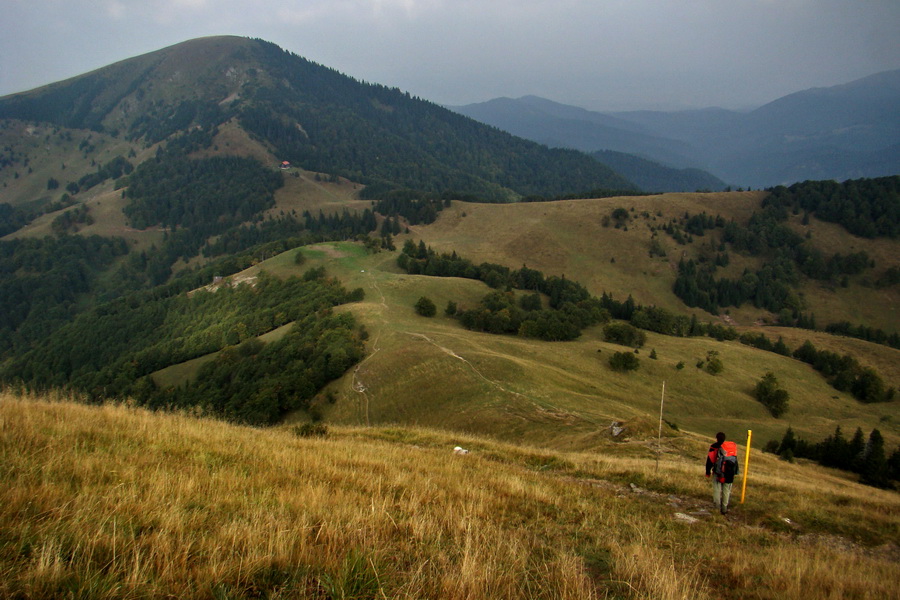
[{"x": 721, "y": 494}]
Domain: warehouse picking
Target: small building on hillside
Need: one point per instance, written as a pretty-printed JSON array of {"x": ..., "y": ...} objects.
[{"x": 285, "y": 165}]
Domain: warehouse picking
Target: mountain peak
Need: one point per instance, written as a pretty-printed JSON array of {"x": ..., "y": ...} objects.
[{"x": 309, "y": 114}]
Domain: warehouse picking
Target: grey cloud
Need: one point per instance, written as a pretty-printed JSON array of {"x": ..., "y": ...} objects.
[{"x": 610, "y": 54}]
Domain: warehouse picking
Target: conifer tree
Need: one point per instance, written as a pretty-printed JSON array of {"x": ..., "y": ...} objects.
[
  {"x": 855, "y": 451},
  {"x": 788, "y": 443},
  {"x": 874, "y": 470}
]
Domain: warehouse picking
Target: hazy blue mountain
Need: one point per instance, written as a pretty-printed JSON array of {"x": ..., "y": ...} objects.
[
  {"x": 861, "y": 115},
  {"x": 841, "y": 132},
  {"x": 563, "y": 126}
]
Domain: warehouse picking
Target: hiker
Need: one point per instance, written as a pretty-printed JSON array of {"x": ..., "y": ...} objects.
[{"x": 721, "y": 461}]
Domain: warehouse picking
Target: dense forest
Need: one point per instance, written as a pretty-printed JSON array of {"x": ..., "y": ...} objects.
[
  {"x": 110, "y": 350},
  {"x": 42, "y": 280},
  {"x": 864, "y": 207},
  {"x": 207, "y": 196},
  {"x": 11, "y": 218}
]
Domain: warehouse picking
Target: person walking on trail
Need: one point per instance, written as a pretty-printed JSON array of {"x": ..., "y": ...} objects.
[{"x": 722, "y": 463}]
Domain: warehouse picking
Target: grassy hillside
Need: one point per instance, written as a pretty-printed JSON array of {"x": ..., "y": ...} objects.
[
  {"x": 181, "y": 113},
  {"x": 563, "y": 395},
  {"x": 114, "y": 502},
  {"x": 39, "y": 151},
  {"x": 569, "y": 238},
  {"x": 434, "y": 372}
]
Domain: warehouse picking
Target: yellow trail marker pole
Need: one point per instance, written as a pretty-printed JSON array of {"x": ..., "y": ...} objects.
[
  {"x": 662, "y": 399},
  {"x": 746, "y": 465}
]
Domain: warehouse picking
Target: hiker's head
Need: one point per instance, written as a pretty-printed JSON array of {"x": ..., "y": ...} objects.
[{"x": 720, "y": 437}]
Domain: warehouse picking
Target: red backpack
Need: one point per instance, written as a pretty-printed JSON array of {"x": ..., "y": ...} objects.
[{"x": 726, "y": 463}]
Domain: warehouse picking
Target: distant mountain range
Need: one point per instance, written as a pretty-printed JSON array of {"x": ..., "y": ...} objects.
[{"x": 841, "y": 132}]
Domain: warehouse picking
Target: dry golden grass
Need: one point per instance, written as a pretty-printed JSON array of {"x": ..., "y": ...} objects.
[{"x": 114, "y": 502}]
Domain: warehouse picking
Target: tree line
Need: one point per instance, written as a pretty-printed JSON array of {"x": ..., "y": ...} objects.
[
  {"x": 281, "y": 229},
  {"x": 865, "y": 457},
  {"x": 114, "y": 169},
  {"x": 863, "y": 332},
  {"x": 566, "y": 298},
  {"x": 571, "y": 308}
]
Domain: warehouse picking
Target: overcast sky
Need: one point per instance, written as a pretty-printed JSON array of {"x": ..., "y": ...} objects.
[{"x": 598, "y": 54}]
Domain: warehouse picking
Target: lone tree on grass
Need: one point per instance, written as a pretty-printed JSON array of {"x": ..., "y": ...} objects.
[
  {"x": 620, "y": 216},
  {"x": 625, "y": 334},
  {"x": 624, "y": 362},
  {"x": 425, "y": 307},
  {"x": 772, "y": 397},
  {"x": 714, "y": 364}
]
